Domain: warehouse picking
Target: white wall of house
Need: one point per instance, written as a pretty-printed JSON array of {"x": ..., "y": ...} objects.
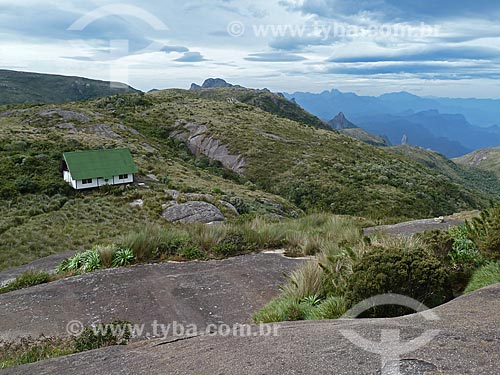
[{"x": 97, "y": 182}]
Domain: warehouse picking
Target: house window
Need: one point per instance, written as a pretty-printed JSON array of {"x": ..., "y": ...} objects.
[
  {"x": 123, "y": 176},
  {"x": 87, "y": 181}
]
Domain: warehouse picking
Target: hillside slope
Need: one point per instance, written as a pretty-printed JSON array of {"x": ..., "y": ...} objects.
[
  {"x": 487, "y": 159},
  {"x": 472, "y": 178},
  {"x": 263, "y": 99},
  {"x": 23, "y": 87},
  {"x": 260, "y": 162},
  {"x": 313, "y": 168}
]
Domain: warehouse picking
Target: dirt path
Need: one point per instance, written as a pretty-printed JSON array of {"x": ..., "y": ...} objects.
[
  {"x": 467, "y": 335},
  {"x": 200, "y": 293}
]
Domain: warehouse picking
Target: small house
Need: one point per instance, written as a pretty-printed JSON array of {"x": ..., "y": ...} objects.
[{"x": 95, "y": 168}]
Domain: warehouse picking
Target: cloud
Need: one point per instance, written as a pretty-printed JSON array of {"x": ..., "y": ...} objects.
[
  {"x": 170, "y": 49},
  {"x": 435, "y": 53},
  {"x": 422, "y": 70},
  {"x": 396, "y": 9},
  {"x": 191, "y": 57},
  {"x": 274, "y": 57}
]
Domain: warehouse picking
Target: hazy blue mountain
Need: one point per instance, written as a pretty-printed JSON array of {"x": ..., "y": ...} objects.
[
  {"x": 440, "y": 124},
  {"x": 451, "y": 135},
  {"x": 480, "y": 112}
]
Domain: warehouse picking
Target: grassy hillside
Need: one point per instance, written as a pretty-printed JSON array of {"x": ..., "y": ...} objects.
[
  {"x": 265, "y": 100},
  {"x": 471, "y": 178},
  {"x": 22, "y": 87},
  {"x": 487, "y": 159},
  {"x": 289, "y": 166},
  {"x": 364, "y": 136},
  {"x": 315, "y": 169}
]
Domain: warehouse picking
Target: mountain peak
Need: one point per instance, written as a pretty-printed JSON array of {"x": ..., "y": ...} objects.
[
  {"x": 340, "y": 122},
  {"x": 214, "y": 83}
]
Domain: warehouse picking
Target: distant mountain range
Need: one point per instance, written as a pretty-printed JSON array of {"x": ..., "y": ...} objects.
[
  {"x": 425, "y": 122},
  {"x": 23, "y": 88}
]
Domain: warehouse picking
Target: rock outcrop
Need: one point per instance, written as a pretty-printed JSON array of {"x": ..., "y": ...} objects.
[
  {"x": 467, "y": 332},
  {"x": 200, "y": 293},
  {"x": 340, "y": 122},
  {"x": 193, "y": 212},
  {"x": 200, "y": 142},
  {"x": 214, "y": 83}
]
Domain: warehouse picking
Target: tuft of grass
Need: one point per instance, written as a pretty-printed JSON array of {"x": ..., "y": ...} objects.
[
  {"x": 484, "y": 276},
  {"x": 30, "y": 350},
  {"x": 304, "y": 282},
  {"x": 26, "y": 280},
  {"x": 331, "y": 308}
]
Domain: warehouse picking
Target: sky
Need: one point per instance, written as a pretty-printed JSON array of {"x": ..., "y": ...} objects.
[{"x": 428, "y": 47}]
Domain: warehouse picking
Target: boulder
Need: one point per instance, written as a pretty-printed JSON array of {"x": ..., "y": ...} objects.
[{"x": 193, "y": 212}]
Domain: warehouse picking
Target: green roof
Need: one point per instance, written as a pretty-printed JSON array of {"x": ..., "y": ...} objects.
[{"x": 100, "y": 163}]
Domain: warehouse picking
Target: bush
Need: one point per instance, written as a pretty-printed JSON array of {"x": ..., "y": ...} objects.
[
  {"x": 413, "y": 273},
  {"x": 463, "y": 249},
  {"x": 191, "y": 252},
  {"x": 488, "y": 274},
  {"x": 484, "y": 231},
  {"x": 115, "y": 333}
]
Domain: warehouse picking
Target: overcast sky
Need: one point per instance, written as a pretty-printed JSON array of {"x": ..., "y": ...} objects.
[{"x": 428, "y": 47}]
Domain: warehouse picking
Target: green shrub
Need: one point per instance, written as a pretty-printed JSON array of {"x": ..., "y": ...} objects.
[
  {"x": 91, "y": 261},
  {"x": 87, "y": 261},
  {"x": 488, "y": 274},
  {"x": 26, "y": 280},
  {"x": 463, "y": 249},
  {"x": 191, "y": 252},
  {"x": 484, "y": 231},
  {"x": 123, "y": 257},
  {"x": 413, "y": 273},
  {"x": 103, "y": 335}
]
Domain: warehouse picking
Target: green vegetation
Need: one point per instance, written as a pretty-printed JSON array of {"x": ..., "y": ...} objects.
[
  {"x": 154, "y": 243},
  {"x": 473, "y": 179},
  {"x": 488, "y": 274},
  {"x": 487, "y": 159},
  {"x": 291, "y": 167},
  {"x": 414, "y": 273},
  {"x": 27, "y": 280},
  {"x": 29, "y": 350},
  {"x": 22, "y": 87},
  {"x": 97, "y": 258},
  {"x": 364, "y": 136},
  {"x": 432, "y": 268},
  {"x": 264, "y": 100}
]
